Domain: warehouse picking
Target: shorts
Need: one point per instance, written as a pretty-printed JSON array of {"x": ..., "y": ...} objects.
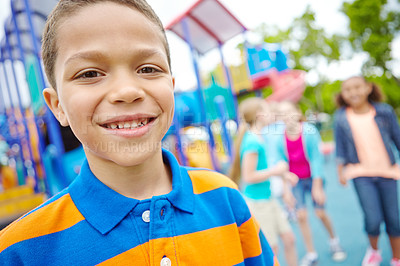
[
  {"x": 299, "y": 192},
  {"x": 271, "y": 217}
]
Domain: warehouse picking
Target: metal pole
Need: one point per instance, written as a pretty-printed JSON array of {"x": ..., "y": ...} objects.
[
  {"x": 229, "y": 80},
  {"x": 186, "y": 33},
  {"x": 54, "y": 129},
  {"x": 41, "y": 142},
  {"x": 17, "y": 137},
  {"x": 52, "y": 123},
  {"x": 219, "y": 101},
  {"x": 22, "y": 58},
  {"x": 3, "y": 103},
  {"x": 31, "y": 167}
]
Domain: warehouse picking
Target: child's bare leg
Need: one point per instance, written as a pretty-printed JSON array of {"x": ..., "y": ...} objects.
[
  {"x": 373, "y": 241},
  {"x": 305, "y": 229},
  {"x": 395, "y": 244},
  {"x": 289, "y": 247},
  {"x": 321, "y": 214}
]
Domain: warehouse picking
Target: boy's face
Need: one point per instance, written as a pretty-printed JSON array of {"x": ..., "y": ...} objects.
[{"x": 114, "y": 86}]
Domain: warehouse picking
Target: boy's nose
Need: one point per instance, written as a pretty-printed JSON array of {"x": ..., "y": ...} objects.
[{"x": 126, "y": 90}]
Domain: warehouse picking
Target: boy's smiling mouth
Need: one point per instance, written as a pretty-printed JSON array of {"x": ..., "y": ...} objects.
[
  {"x": 129, "y": 125},
  {"x": 136, "y": 123}
]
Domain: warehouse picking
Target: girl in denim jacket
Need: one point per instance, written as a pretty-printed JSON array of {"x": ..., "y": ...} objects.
[{"x": 365, "y": 132}]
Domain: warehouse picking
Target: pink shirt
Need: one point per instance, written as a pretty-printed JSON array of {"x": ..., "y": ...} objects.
[
  {"x": 371, "y": 151},
  {"x": 298, "y": 163}
]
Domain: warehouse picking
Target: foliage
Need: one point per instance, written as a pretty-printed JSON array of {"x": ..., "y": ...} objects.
[
  {"x": 305, "y": 41},
  {"x": 373, "y": 25},
  {"x": 390, "y": 89}
]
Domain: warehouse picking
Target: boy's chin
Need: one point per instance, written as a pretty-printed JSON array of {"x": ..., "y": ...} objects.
[{"x": 130, "y": 159}]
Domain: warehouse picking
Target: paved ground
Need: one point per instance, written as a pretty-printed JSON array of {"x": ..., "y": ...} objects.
[{"x": 345, "y": 212}]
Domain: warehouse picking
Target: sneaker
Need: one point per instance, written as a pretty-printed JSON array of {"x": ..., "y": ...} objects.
[
  {"x": 372, "y": 257},
  {"x": 309, "y": 259},
  {"x": 395, "y": 262},
  {"x": 337, "y": 252}
]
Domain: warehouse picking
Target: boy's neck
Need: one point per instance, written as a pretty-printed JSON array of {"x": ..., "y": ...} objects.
[{"x": 140, "y": 182}]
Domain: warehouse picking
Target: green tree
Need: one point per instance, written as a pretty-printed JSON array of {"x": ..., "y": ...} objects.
[
  {"x": 373, "y": 26},
  {"x": 308, "y": 45}
]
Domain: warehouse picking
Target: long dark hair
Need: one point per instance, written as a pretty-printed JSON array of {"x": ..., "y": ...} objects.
[{"x": 375, "y": 95}]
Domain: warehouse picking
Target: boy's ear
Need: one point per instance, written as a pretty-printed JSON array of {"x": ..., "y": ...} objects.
[
  {"x": 52, "y": 101},
  {"x": 173, "y": 83}
]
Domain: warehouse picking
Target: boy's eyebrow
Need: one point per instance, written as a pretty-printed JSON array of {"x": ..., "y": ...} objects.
[
  {"x": 90, "y": 55},
  {"x": 95, "y": 55}
]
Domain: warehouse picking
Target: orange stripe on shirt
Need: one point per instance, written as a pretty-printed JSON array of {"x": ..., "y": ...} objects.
[
  {"x": 134, "y": 256},
  {"x": 204, "y": 180},
  {"x": 249, "y": 235},
  {"x": 276, "y": 262},
  {"x": 60, "y": 215},
  {"x": 216, "y": 246}
]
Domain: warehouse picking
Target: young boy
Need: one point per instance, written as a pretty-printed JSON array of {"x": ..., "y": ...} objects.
[{"x": 108, "y": 65}]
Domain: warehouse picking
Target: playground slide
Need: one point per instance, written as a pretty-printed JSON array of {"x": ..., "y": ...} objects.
[{"x": 287, "y": 85}]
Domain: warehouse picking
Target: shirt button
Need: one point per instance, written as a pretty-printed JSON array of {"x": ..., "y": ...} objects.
[
  {"x": 146, "y": 216},
  {"x": 165, "y": 262}
]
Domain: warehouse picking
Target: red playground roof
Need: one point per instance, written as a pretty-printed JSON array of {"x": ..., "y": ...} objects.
[{"x": 210, "y": 24}]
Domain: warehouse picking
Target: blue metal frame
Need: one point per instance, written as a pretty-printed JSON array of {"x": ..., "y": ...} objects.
[
  {"x": 16, "y": 139},
  {"x": 31, "y": 168},
  {"x": 188, "y": 39},
  {"x": 51, "y": 122},
  {"x": 41, "y": 142},
  {"x": 54, "y": 130}
]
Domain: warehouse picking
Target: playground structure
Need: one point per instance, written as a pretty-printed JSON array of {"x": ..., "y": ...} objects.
[
  {"x": 39, "y": 162},
  {"x": 45, "y": 157},
  {"x": 208, "y": 25}
]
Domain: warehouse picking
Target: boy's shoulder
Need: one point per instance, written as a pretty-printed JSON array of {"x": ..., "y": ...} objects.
[
  {"x": 204, "y": 180},
  {"x": 56, "y": 214}
]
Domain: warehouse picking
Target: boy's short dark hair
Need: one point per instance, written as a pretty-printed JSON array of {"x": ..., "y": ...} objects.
[{"x": 65, "y": 8}]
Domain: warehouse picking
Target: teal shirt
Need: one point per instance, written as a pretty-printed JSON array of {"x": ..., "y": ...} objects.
[{"x": 252, "y": 143}]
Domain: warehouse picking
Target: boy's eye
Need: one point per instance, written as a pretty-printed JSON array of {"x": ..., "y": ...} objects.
[
  {"x": 148, "y": 70},
  {"x": 89, "y": 74}
]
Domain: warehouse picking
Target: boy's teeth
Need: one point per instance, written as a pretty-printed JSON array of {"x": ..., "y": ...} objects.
[{"x": 129, "y": 125}]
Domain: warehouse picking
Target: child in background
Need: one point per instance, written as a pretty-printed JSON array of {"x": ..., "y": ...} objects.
[
  {"x": 108, "y": 65},
  {"x": 250, "y": 163},
  {"x": 365, "y": 131},
  {"x": 272, "y": 134},
  {"x": 299, "y": 146}
]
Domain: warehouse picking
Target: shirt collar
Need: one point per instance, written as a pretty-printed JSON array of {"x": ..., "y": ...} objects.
[{"x": 104, "y": 208}]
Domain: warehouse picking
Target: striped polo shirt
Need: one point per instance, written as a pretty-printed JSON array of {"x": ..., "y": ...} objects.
[{"x": 202, "y": 221}]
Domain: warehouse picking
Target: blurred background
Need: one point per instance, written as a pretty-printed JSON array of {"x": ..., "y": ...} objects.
[{"x": 222, "y": 52}]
